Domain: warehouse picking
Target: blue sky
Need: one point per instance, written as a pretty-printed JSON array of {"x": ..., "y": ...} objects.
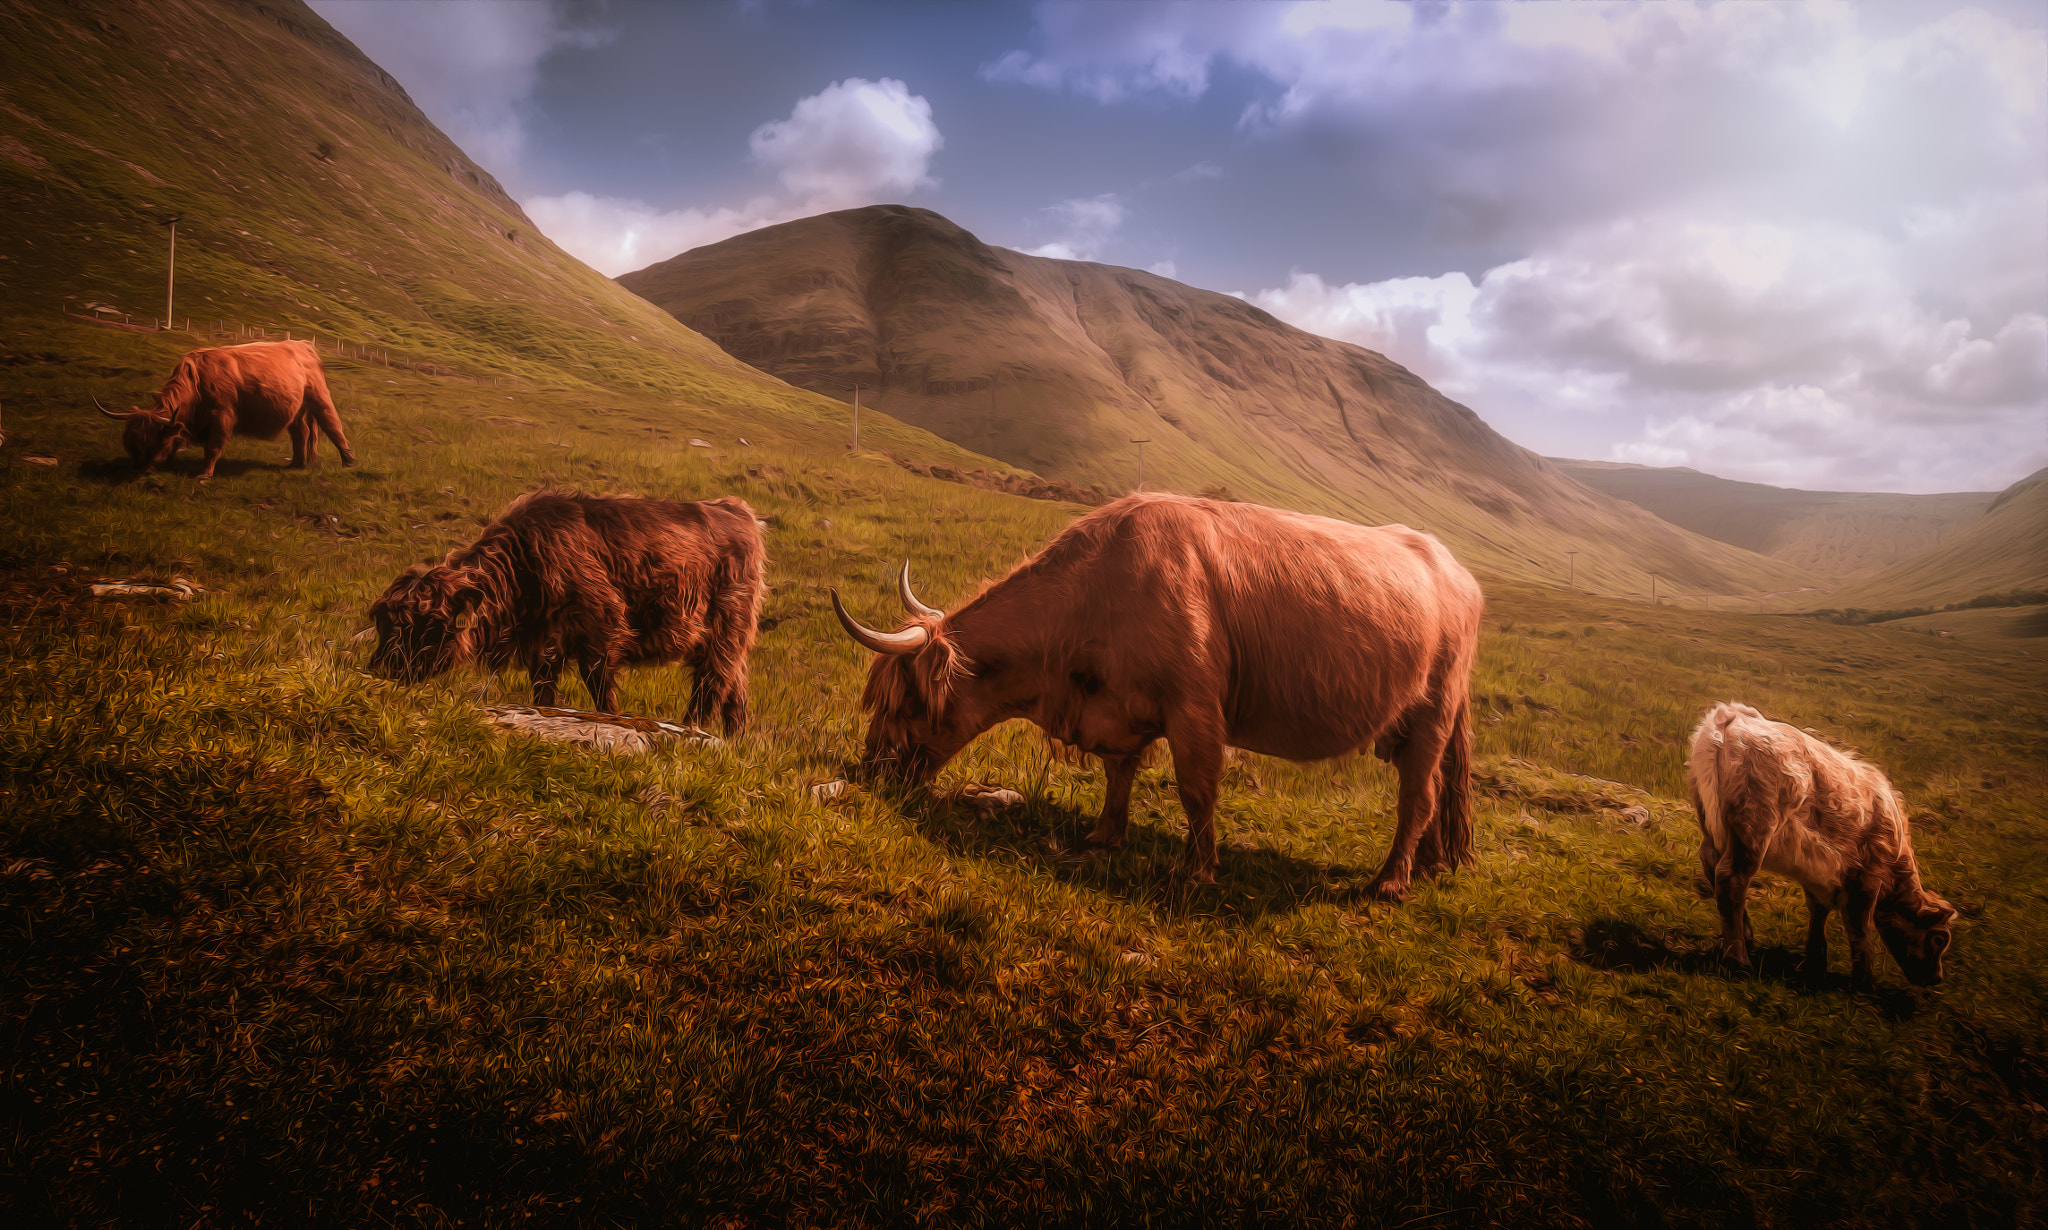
[{"x": 1794, "y": 242}]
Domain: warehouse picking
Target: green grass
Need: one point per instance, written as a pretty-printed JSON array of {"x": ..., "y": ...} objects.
[{"x": 285, "y": 942}]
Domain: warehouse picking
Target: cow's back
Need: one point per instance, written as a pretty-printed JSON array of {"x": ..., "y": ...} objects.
[
  {"x": 1810, "y": 810},
  {"x": 672, "y": 569},
  {"x": 1317, "y": 632}
]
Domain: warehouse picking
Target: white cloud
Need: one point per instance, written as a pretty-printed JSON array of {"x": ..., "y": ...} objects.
[
  {"x": 1084, "y": 225},
  {"x": 853, "y": 143},
  {"x": 470, "y": 66},
  {"x": 1768, "y": 353}
]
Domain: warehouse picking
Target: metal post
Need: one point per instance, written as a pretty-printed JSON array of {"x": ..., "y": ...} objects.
[
  {"x": 171, "y": 275},
  {"x": 856, "y": 418},
  {"x": 1573, "y": 556},
  {"x": 1653, "y": 589},
  {"x": 1141, "y": 460}
]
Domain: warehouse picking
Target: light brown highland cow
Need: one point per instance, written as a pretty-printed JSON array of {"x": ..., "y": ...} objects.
[{"x": 1772, "y": 797}]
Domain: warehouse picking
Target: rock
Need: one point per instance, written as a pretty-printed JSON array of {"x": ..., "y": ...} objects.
[
  {"x": 177, "y": 589},
  {"x": 1638, "y": 816},
  {"x": 825, "y": 792},
  {"x": 990, "y": 798},
  {"x": 696, "y": 443},
  {"x": 616, "y": 731},
  {"x": 40, "y": 461}
]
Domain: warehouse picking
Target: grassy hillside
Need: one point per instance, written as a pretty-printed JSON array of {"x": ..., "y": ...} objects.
[
  {"x": 1826, "y": 533},
  {"x": 2005, "y": 550},
  {"x": 283, "y": 943},
  {"x": 315, "y": 199},
  {"x": 1059, "y": 365},
  {"x": 280, "y": 941}
]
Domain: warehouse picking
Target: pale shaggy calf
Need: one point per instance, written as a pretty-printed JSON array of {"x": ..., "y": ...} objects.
[{"x": 1769, "y": 796}]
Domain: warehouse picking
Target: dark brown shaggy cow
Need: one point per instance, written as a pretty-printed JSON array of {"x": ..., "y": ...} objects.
[
  {"x": 258, "y": 390},
  {"x": 1207, "y": 624},
  {"x": 1769, "y": 796},
  {"x": 602, "y": 582}
]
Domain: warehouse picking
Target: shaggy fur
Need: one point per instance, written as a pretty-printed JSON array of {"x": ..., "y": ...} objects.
[
  {"x": 1769, "y": 796},
  {"x": 259, "y": 390},
  {"x": 1211, "y": 624},
  {"x": 602, "y": 582}
]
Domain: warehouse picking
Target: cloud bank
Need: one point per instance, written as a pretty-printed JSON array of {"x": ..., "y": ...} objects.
[{"x": 1800, "y": 243}]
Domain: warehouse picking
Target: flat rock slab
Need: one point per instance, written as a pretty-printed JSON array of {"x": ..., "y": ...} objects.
[
  {"x": 177, "y": 589},
  {"x": 617, "y": 731}
]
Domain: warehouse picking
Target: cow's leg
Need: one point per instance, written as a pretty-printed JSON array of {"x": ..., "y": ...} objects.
[
  {"x": 320, "y": 404},
  {"x": 1196, "y": 739},
  {"x": 216, "y": 444},
  {"x": 544, "y": 668},
  {"x": 602, "y": 680},
  {"x": 1815, "y": 969},
  {"x": 1116, "y": 801},
  {"x": 719, "y": 669},
  {"x": 303, "y": 442},
  {"x": 1859, "y": 914},
  {"x": 1738, "y": 866},
  {"x": 1419, "y": 759}
]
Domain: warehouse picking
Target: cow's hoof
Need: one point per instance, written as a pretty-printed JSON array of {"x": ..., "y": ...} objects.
[
  {"x": 349, "y": 460},
  {"x": 1395, "y": 891},
  {"x": 1102, "y": 844}
]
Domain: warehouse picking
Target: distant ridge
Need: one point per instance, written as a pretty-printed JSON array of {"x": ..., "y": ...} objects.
[
  {"x": 1060, "y": 365},
  {"x": 1829, "y": 533},
  {"x": 2004, "y": 550}
]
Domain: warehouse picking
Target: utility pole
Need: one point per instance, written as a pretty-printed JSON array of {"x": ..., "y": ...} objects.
[
  {"x": 171, "y": 277},
  {"x": 1653, "y": 590},
  {"x": 1573, "y": 556},
  {"x": 1141, "y": 460},
  {"x": 856, "y": 418}
]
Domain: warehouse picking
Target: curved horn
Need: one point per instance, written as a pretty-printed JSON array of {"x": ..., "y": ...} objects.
[
  {"x": 109, "y": 413},
  {"x": 910, "y": 602},
  {"x": 910, "y": 640}
]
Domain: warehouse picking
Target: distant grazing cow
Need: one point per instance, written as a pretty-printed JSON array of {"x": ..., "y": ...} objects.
[
  {"x": 601, "y": 582},
  {"x": 1208, "y": 624},
  {"x": 256, "y": 390},
  {"x": 1769, "y": 796}
]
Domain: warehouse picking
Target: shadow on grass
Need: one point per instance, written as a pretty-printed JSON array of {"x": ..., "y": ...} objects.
[
  {"x": 119, "y": 471},
  {"x": 1252, "y": 881},
  {"x": 1619, "y": 946}
]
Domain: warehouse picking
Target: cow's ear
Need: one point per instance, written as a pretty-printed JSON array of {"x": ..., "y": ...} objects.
[{"x": 1936, "y": 913}]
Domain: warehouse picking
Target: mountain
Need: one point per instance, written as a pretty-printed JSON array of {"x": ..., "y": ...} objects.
[
  {"x": 1059, "y": 366},
  {"x": 1829, "y": 533},
  {"x": 2004, "y": 550},
  {"x": 313, "y": 198}
]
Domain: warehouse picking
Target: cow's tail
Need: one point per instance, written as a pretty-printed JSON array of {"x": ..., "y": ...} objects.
[{"x": 1454, "y": 792}]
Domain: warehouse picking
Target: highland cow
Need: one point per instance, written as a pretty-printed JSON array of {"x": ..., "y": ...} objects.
[
  {"x": 1207, "y": 624},
  {"x": 258, "y": 390},
  {"x": 601, "y": 582},
  {"x": 1770, "y": 796}
]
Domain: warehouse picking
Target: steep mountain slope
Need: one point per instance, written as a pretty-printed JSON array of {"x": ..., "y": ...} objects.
[
  {"x": 2004, "y": 550},
  {"x": 1060, "y": 365},
  {"x": 1830, "y": 533},
  {"x": 315, "y": 198}
]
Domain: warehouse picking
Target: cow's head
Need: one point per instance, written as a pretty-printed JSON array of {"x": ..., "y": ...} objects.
[
  {"x": 1917, "y": 928},
  {"x": 924, "y": 698},
  {"x": 425, "y": 622},
  {"x": 151, "y": 437}
]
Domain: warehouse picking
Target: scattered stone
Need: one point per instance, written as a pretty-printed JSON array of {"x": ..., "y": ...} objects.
[
  {"x": 990, "y": 798},
  {"x": 177, "y": 589},
  {"x": 617, "y": 731},
  {"x": 696, "y": 443},
  {"x": 1638, "y": 816},
  {"x": 1140, "y": 958},
  {"x": 825, "y": 792},
  {"x": 1529, "y": 821},
  {"x": 40, "y": 461}
]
